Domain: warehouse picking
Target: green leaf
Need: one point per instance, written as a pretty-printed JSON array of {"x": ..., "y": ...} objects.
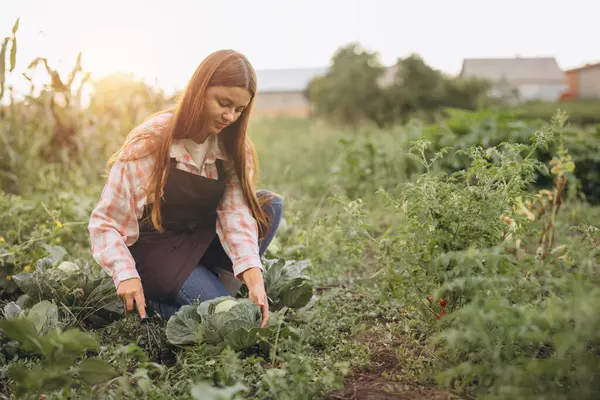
[
  {"x": 43, "y": 377},
  {"x": 233, "y": 325},
  {"x": 44, "y": 316},
  {"x": 53, "y": 376},
  {"x": 205, "y": 391},
  {"x": 56, "y": 252},
  {"x": 142, "y": 379},
  {"x": 12, "y": 310},
  {"x": 25, "y": 301},
  {"x": 29, "y": 285},
  {"x": 241, "y": 339},
  {"x": 66, "y": 347},
  {"x": 245, "y": 315},
  {"x": 3, "y": 66},
  {"x": 298, "y": 294},
  {"x": 24, "y": 331},
  {"x": 24, "y": 379},
  {"x": 286, "y": 285},
  {"x": 207, "y": 307},
  {"x": 13, "y": 54},
  {"x": 16, "y": 26},
  {"x": 185, "y": 327},
  {"x": 95, "y": 371}
]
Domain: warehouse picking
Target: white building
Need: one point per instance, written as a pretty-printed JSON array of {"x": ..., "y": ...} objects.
[
  {"x": 530, "y": 79},
  {"x": 282, "y": 91}
]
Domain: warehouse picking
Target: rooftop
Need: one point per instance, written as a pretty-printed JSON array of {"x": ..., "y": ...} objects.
[
  {"x": 586, "y": 66},
  {"x": 534, "y": 69},
  {"x": 286, "y": 80}
]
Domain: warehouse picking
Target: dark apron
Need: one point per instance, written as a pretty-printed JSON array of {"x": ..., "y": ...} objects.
[{"x": 189, "y": 216}]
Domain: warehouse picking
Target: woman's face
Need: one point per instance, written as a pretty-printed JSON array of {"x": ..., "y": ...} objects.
[{"x": 223, "y": 105}]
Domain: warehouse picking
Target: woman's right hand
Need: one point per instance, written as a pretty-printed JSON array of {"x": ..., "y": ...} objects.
[{"x": 130, "y": 291}]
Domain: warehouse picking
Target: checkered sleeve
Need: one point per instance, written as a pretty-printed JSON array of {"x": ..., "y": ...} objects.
[
  {"x": 113, "y": 224},
  {"x": 236, "y": 227}
]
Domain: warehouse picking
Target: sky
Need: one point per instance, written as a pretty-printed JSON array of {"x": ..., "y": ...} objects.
[{"x": 162, "y": 42}]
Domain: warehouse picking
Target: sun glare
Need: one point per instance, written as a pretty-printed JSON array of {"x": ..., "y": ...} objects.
[{"x": 116, "y": 50}]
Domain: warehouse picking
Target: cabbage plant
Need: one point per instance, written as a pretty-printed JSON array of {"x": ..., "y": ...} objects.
[
  {"x": 220, "y": 322},
  {"x": 88, "y": 292},
  {"x": 286, "y": 284}
]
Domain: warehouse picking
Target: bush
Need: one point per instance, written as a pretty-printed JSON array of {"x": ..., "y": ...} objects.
[{"x": 505, "y": 301}]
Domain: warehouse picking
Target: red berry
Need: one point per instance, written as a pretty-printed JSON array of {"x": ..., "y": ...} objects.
[
  {"x": 443, "y": 313},
  {"x": 442, "y": 302},
  {"x": 438, "y": 316}
]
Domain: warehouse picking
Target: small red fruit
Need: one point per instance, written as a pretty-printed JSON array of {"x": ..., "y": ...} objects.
[
  {"x": 442, "y": 302},
  {"x": 443, "y": 312},
  {"x": 438, "y": 316}
]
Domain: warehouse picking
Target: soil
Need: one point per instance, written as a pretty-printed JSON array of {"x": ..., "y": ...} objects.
[{"x": 383, "y": 379}]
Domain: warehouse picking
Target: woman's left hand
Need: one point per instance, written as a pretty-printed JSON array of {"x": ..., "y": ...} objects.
[{"x": 253, "y": 279}]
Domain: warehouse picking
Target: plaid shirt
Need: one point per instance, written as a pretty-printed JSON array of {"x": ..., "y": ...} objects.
[{"x": 114, "y": 226}]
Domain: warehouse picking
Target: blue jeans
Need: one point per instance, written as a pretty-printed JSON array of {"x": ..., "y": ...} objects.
[{"x": 203, "y": 284}]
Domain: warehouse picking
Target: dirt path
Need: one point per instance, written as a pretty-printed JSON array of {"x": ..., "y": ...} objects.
[{"x": 385, "y": 378}]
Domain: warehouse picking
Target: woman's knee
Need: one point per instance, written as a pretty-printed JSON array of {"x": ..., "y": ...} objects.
[
  {"x": 202, "y": 284},
  {"x": 274, "y": 205}
]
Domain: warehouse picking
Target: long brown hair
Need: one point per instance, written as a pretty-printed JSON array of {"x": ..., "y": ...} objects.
[{"x": 221, "y": 68}]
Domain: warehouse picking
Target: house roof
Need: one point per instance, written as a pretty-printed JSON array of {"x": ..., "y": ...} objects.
[
  {"x": 514, "y": 70},
  {"x": 586, "y": 66},
  {"x": 286, "y": 80}
]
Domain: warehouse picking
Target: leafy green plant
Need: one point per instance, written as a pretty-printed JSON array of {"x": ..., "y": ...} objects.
[
  {"x": 286, "y": 284},
  {"x": 43, "y": 315},
  {"x": 60, "y": 350},
  {"x": 206, "y": 391},
  {"x": 40, "y": 226},
  {"x": 85, "y": 294},
  {"x": 511, "y": 298},
  {"x": 505, "y": 293},
  {"x": 224, "y": 321}
]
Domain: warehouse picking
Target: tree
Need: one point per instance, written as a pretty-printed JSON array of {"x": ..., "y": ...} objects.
[
  {"x": 357, "y": 88},
  {"x": 416, "y": 87},
  {"x": 349, "y": 92},
  {"x": 467, "y": 93}
]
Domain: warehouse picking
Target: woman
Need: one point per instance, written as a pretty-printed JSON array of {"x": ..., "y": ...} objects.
[{"x": 211, "y": 228}]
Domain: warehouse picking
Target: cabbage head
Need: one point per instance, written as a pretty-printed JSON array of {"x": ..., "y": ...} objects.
[{"x": 221, "y": 321}]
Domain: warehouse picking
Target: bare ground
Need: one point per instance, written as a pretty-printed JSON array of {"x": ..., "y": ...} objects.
[{"x": 387, "y": 378}]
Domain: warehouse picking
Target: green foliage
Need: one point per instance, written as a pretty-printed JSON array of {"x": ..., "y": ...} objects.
[
  {"x": 237, "y": 326},
  {"x": 36, "y": 227},
  {"x": 460, "y": 250},
  {"x": 123, "y": 98},
  {"x": 52, "y": 134},
  {"x": 581, "y": 112},
  {"x": 417, "y": 87},
  {"x": 543, "y": 346},
  {"x": 464, "y": 129},
  {"x": 367, "y": 163},
  {"x": 349, "y": 93},
  {"x": 59, "y": 350},
  {"x": 286, "y": 284},
  {"x": 205, "y": 391},
  {"x": 509, "y": 305},
  {"x": 184, "y": 327},
  {"x": 87, "y": 294},
  {"x": 358, "y": 88}
]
